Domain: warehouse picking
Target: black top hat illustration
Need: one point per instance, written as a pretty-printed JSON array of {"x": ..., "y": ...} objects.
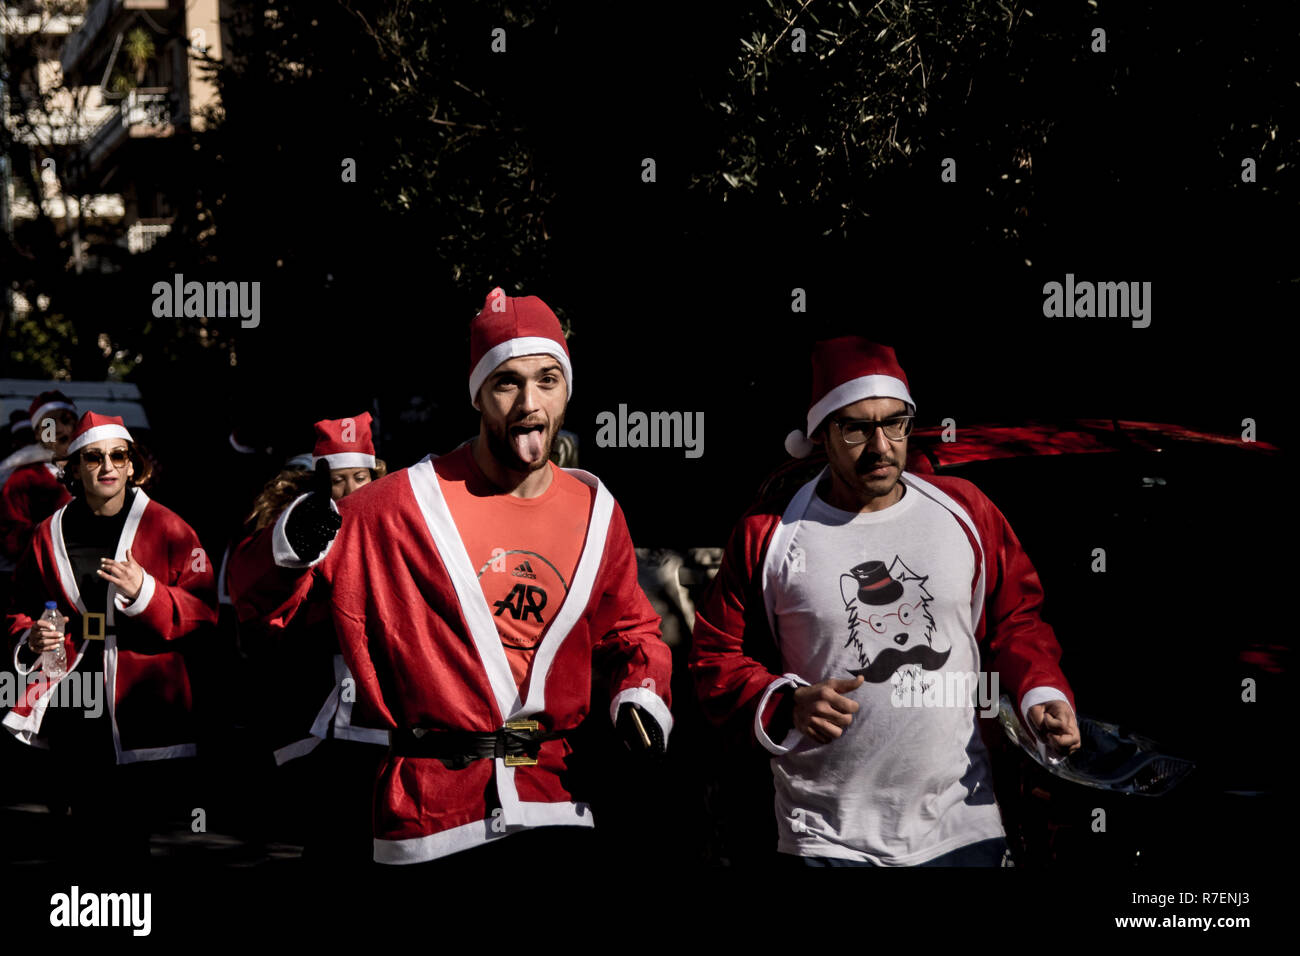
[{"x": 875, "y": 586}]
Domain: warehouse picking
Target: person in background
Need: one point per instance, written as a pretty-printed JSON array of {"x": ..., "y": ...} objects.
[
  {"x": 314, "y": 716},
  {"x": 20, "y": 430},
  {"x": 24, "y": 450},
  {"x": 129, "y": 577},
  {"x": 35, "y": 490}
]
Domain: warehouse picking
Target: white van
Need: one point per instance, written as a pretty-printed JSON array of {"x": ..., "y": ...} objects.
[{"x": 106, "y": 398}]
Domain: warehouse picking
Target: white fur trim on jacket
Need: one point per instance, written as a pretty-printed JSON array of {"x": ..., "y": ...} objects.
[
  {"x": 282, "y": 551},
  {"x": 132, "y": 608},
  {"x": 648, "y": 701},
  {"x": 793, "y": 738}
]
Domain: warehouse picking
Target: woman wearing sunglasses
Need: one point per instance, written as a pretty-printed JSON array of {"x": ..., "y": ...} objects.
[{"x": 130, "y": 578}]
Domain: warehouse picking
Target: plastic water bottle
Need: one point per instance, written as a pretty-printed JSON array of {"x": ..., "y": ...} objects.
[{"x": 54, "y": 663}]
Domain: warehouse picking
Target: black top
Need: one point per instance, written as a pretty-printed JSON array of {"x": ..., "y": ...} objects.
[
  {"x": 88, "y": 538},
  {"x": 73, "y": 733}
]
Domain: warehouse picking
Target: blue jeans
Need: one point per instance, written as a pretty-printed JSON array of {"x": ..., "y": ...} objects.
[{"x": 984, "y": 853}]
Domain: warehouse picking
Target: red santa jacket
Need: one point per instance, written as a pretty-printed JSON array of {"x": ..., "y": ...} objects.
[
  {"x": 418, "y": 635},
  {"x": 1006, "y": 602},
  {"x": 320, "y": 702},
  {"x": 31, "y": 495},
  {"x": 147, "y": 687}
]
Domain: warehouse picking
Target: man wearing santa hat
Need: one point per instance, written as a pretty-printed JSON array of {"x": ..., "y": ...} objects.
[
  {"x": 876, "y": 587},
  {"x": 34, "y": 491},
  {"x": 472, "y": 596}
]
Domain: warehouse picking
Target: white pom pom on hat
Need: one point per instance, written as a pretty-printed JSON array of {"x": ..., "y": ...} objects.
[{"x": 798, "y": 445}]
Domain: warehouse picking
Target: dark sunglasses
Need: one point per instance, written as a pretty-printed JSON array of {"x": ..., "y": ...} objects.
[{"x": 94, "y": 457}]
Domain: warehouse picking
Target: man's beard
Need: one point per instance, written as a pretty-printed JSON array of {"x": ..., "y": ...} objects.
[{"x": 503, "y": 450}]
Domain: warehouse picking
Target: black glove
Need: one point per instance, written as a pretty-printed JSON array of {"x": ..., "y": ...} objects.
[
  {"x": 312, "y": 525},
  {"x": 627, "y": 729}
]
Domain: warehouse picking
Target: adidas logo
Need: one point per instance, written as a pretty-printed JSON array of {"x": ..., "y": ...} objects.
[{"x": 524, "y": 570}]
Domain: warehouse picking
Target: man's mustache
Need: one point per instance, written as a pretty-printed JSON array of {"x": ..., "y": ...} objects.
[
  {"x": 865, "y": 464},
  {"x": 891, "y": 659}
]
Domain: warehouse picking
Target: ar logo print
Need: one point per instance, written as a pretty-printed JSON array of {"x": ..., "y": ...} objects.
[
  {"x": 522, "y": 601},
  {"x": 520, "y": 587}
]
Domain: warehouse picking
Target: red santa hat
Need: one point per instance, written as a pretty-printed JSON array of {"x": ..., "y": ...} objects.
[
  {"x": 345, "y": 442},
  {"x": 93, "y": 427},
  {"x": 511, "y": 326},
  {"x": 47, "y": 402},
  {"x": 847, "y": 370}
]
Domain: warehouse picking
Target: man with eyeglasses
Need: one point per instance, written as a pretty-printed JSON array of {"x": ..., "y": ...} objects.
[{"x": 879, "y": 595}]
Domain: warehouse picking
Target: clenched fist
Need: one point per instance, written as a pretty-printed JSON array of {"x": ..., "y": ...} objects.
[{"x": 821, "y": 712}]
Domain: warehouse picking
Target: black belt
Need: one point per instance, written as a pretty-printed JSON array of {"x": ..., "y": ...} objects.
[{"x": 517, "y": 743}]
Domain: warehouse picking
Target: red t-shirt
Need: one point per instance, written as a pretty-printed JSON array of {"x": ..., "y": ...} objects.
[{"x": 524, "y": 550}]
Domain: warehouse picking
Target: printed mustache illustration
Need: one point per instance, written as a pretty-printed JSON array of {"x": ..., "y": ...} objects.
[
  {"x": 890, "y": 660},
  {"x": 871, "y": 584}
]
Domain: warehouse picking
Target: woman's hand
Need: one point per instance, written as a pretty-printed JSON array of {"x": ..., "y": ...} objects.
[
  {"x": 127, "y": 576},
  {"x": 45, "y": 636}
]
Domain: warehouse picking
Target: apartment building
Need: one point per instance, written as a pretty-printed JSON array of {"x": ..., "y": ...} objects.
[{"x": 108, "y": 113}]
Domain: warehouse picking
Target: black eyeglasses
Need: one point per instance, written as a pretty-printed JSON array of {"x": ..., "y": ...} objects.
[
  {"x": 858, "y": 430},
  {"x": 94, "y": 457}
]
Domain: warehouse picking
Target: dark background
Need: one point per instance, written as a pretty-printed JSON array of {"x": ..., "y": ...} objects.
[{"x": 1121, "y": 166}]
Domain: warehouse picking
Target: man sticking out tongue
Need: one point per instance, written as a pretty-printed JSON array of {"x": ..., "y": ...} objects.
[
  {"x": 472, "y": 594},
  {"x": 520, "y": 379}
]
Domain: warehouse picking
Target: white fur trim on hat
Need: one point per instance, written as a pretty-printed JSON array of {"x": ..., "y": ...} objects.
[
  {"x": 98, "y": 433},
  {"x": 798, "y": 445},
  {"x": 513, "y": 348},
  {"x": 855, "y": 390},
  {"x": 46, "y": 409},
  {"x": 346, "y": 459}
]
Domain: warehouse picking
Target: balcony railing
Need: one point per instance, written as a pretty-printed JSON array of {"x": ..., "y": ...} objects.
[
  {"x": 144, "y": 112},
  {"x": 141, "y": 235}
]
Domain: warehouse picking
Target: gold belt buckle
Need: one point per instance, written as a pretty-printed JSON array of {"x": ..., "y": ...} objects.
[
  {"x": 521, "y": 760},
  {"x": 85, "y": 626}
]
